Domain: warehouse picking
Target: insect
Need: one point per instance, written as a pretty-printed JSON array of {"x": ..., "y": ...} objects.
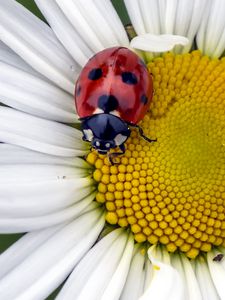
[
  {"x": 218, "y": 257},
  {"x": 112, "y": 94}
]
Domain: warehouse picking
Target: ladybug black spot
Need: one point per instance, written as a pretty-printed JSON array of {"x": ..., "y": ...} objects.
[
  {"x": 78, "y": 90},
  {"x": 144, "y": 99},
  {"x": 95, "y": 74},
  {"x": 129, "y": 78},
  {"x": 107, "y": 103}
]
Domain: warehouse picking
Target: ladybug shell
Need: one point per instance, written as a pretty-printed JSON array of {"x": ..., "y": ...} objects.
[{"x": 114, "y": 81}]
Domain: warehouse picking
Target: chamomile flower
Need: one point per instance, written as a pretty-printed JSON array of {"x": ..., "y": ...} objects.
[{"x": 151, "y": 226}]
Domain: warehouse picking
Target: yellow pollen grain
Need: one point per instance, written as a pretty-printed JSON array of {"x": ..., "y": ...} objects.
[{"x": 172, "y": 191}]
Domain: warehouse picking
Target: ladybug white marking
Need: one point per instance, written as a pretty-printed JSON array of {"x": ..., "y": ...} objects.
[
  {"x": 115, "y": 113},
  {"x": 120, "y": 139},
  {"x": 98, "y": 111},
  {"x": 88, "y": 134}
]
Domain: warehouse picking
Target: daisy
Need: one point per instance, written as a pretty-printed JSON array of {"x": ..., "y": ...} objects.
[{"x": 151, "y": 226}]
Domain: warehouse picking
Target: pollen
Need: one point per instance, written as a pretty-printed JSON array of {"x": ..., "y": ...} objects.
[{"x": 172, "y": 191}]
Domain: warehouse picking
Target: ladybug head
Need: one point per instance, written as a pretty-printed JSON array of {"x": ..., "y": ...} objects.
[{"x": 104, "y": 131}]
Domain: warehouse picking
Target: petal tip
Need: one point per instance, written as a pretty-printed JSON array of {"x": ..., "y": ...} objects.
[{"x": 158, "y": 43}]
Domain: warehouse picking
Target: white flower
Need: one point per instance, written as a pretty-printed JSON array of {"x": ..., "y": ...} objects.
[{"x": 47, "y": 190}]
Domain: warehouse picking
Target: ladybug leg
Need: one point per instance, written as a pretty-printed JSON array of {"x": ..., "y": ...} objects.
[
  {"x": 84, "y": 139},
  {"x": 142, "y": 133},
  {"x": 111, "y": 156},
  {"x": 122, "y": 148}
]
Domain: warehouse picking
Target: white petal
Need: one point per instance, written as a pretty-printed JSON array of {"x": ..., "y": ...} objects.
[
  {"x": 11, "y": 58},
  {"x": 167, "y": 17},
  {"x": 39, "y": 190},
  {"x": 184, "y": 11},
  {"x": 170, "y": 16},
  {"x": 215, "y": 27},
  {"x": 198, "y": 11},
  {"x": 200, "y": 37},
  {"x": 165, "y": 276},
  {"x": 36, "y": 196},
  {"x": 24, "y": 247},
  {"x": 65, "y": 32},
  {"x": 92, "y": 25},
  {"x": 205, "y": 282},
  {"x": 87, "y": 265},
  {"x": 11, "y": 155},
  {"x": 38, "y": 134},
  {"x": 105, "y": 263},
  {"x": 133, "y": 288},
  {"x": 148, "y": 275},
  {"x": 184, "y": 267},
  {"x": 217, "y": 271},
  {"x": 115, "y": 286},
  {"x": 25, "y": 224},
  {"x": 27, "y": 173},
  {"x": 221, "y": 250},
  {"x": 135, "y": 14},
  {"x": 35, "y": 42},
  {"x": 34, "y": 95},
  {"x": 162, "y": 5},
  {"x": 150, "y": 15},
  {"x": 211, "y": 36},
  {"x": 53, "y": 260},
  {"x": 157, "y": 43},
  {"x": 109, "y": 13},
  {"x": 99, "y": 21},
  {"x": 80, "y": 23}
]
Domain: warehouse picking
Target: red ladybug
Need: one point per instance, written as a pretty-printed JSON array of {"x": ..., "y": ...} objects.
[{"x": 113, "y": 92}]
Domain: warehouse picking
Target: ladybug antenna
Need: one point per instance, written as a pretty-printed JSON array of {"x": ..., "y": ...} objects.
[{"x": 142, "y": 133}]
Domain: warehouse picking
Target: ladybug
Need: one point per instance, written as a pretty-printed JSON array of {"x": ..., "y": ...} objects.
[{"x": 112, "y": 94}]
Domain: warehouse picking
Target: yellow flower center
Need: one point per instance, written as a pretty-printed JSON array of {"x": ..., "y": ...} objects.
[{"x": 173, "y": 191}]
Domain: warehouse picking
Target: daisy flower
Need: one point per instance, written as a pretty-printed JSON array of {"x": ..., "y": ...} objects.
[{"x": 151, "y": 226}]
